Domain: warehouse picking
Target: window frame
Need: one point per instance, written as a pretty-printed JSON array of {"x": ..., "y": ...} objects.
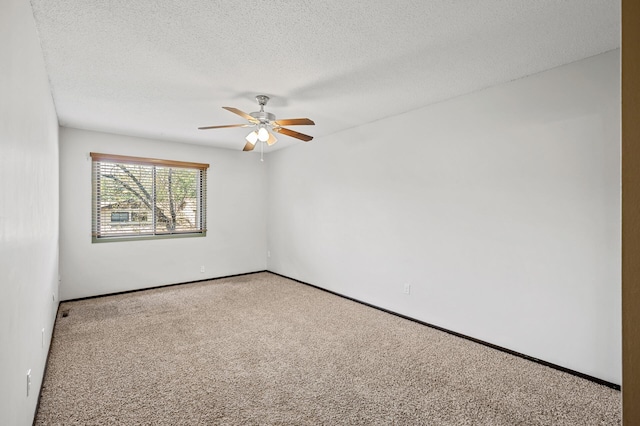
[{"x": 201, "y": 199}]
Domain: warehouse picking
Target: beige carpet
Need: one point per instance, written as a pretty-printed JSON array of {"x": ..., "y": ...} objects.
[{"x": 263, "y": 350}]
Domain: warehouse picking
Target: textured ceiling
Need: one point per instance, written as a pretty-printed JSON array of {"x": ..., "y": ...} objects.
[{"x": 161, "y": 68}]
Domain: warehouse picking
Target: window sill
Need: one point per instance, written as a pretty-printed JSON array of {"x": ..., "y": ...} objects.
[{"x": 146, "y": 237}]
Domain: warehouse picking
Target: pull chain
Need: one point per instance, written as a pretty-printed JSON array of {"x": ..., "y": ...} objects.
[{"x": 262, "y": 151}]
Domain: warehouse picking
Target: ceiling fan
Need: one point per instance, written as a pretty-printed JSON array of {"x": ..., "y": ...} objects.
[{"x": 262, "y": 121}]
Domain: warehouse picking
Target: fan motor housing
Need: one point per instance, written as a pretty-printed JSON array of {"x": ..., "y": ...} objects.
[{"x": 263, "y": 116}]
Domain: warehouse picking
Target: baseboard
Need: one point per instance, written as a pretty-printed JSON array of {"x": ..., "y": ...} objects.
[
  {"x": 161, "y": 286},
  {"x": 473, "y": 339}
]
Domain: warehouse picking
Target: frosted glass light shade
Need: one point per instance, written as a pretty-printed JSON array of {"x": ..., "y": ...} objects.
[
  {"x": 252, "y": 137},
  {"x": 263, "y": 134}
]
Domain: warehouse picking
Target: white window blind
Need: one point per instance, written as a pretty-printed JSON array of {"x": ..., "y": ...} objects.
[{"x": 138, "y": 197}]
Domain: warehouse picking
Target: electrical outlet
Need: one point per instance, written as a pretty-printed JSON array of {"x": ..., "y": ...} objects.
[
  {"x": 28, "y": 381},
  {"x": 407, "y": 288},
  {"x": 202, "y": 269},
  {"x": 268, "y": 253},
  {"x": 43, "y": 337}
]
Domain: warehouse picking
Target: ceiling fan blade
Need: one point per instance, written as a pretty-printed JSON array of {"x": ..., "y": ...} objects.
[
  {"x": 242, "y": 114},
  {"x": 293, "y": 134},
  {"x": 226, "y": 125},
  {"x": 272, "y": 139},
  {"x": 249, "y": 146},
  {"x": 294, "y": 122}
]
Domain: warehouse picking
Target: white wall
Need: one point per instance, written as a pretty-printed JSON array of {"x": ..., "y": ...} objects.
[
  {"x": 501, "y": 208},
  {"x": 28, "y": 212},
  {"x": 236, "y": 204}
]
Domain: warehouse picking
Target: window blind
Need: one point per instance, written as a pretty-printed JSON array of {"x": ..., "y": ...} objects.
[{"x": 138, "y": 197}]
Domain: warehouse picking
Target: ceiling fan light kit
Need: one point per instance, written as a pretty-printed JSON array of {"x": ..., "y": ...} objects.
[{"x": 262, "y": 121}]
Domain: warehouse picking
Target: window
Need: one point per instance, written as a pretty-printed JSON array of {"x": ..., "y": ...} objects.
[{"x": 147, "y": 198}]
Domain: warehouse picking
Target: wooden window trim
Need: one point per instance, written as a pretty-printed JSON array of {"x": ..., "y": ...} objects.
[{"x": 96, "y": 156}]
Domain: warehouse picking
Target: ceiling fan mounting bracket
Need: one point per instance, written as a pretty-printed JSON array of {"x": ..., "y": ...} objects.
[{"x": 262, "y": 100}]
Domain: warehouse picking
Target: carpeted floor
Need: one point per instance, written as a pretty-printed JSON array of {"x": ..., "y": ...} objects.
[{"x": 263, "y": 350}]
